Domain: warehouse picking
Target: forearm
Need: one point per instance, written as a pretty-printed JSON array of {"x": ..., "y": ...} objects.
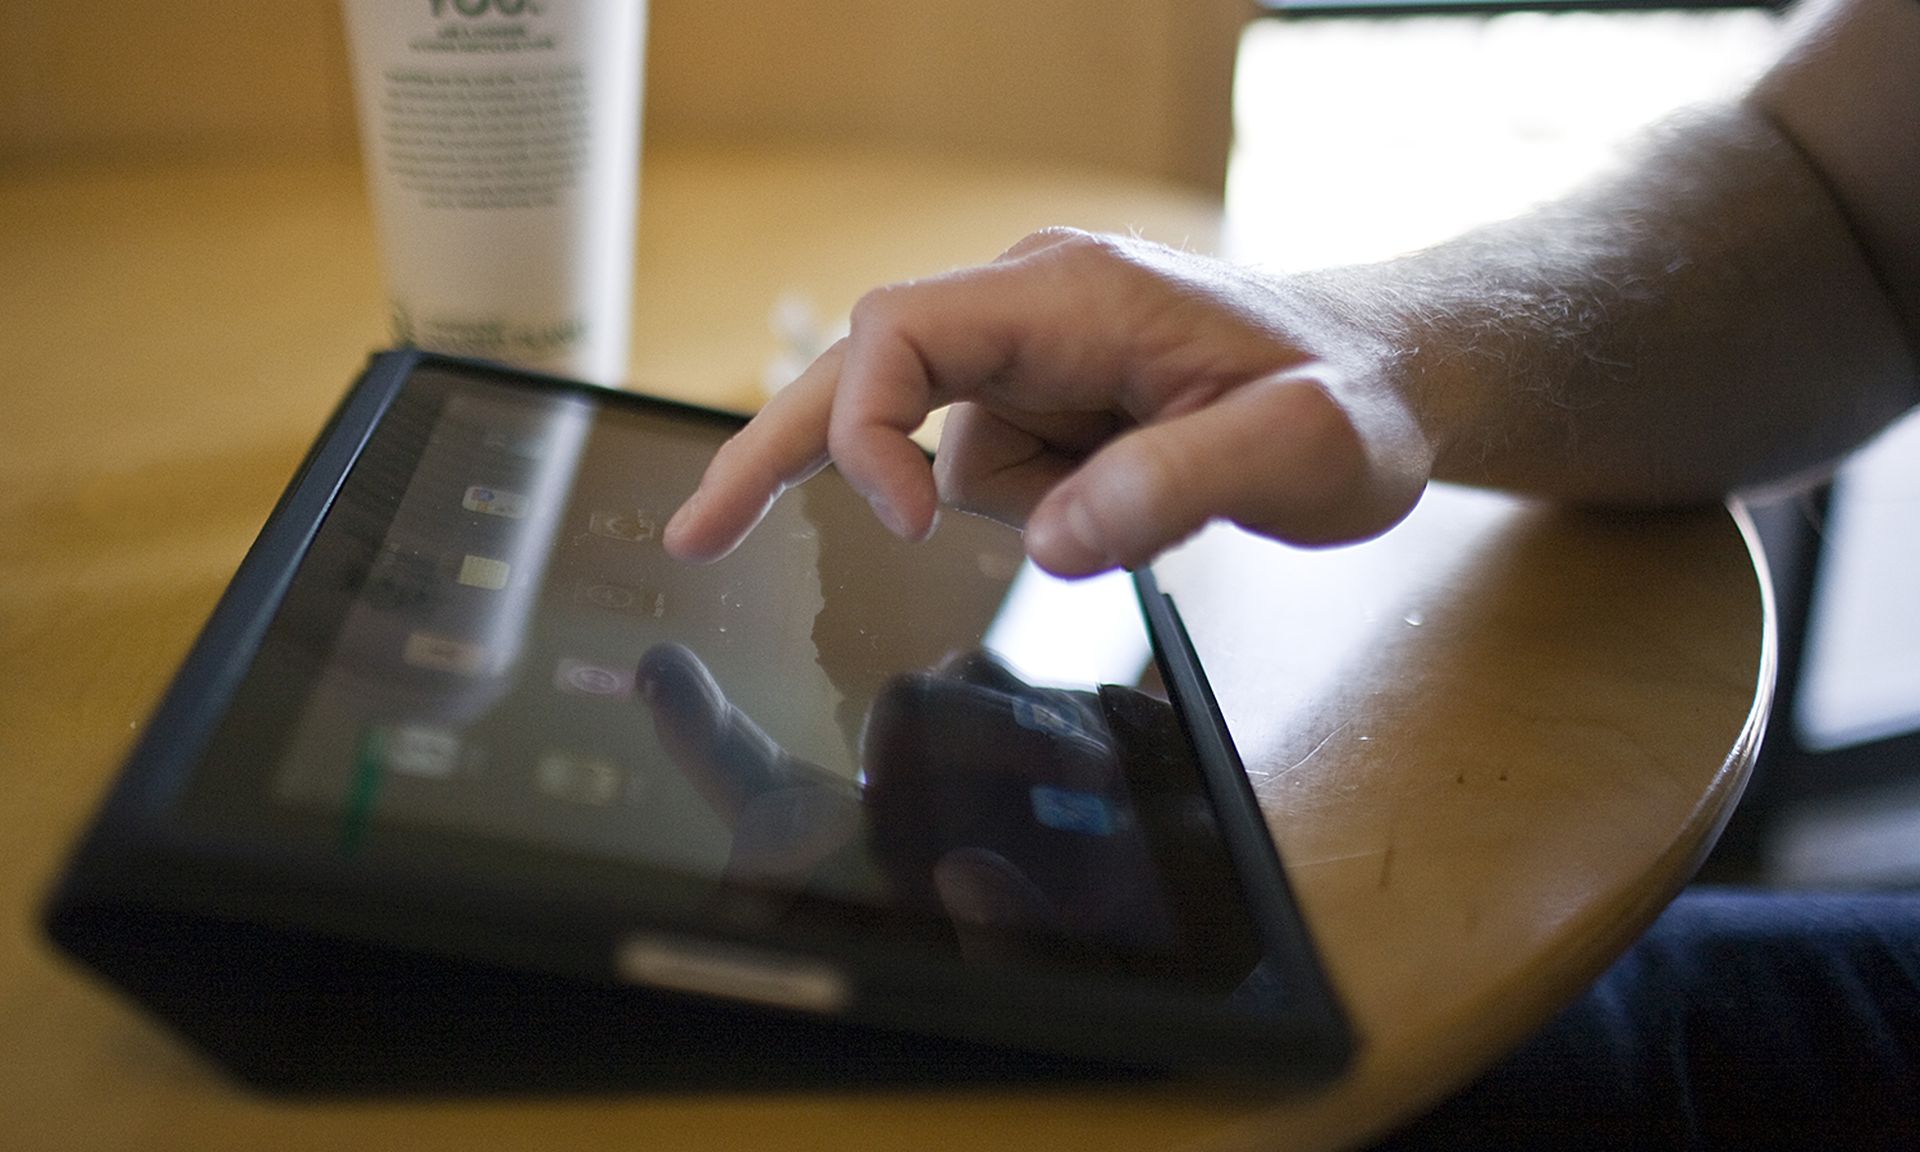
[{"x": 1703, "y": 321}]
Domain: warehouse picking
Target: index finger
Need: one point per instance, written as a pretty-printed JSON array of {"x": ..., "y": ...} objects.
[
  {"x": 962, "y": 317},
  {"x": 779, "y": 448}
]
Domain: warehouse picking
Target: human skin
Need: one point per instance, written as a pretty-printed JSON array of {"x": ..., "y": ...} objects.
[{"x": 1736, "y": 305}]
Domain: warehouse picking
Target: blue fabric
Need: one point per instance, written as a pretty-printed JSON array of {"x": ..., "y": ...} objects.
[{"x": 1742, "y": 1019}]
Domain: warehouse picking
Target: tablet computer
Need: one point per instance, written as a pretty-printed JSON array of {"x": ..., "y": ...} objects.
[{"x": 467, "y": 781}]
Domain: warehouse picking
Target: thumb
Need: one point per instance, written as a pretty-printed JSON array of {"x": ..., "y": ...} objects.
[{"x": 1287, "y": 456}]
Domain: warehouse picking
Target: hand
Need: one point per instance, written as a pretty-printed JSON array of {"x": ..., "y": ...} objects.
[
  {"x": 786, "y": 814},
  {"x": 1110, "y": 395}
]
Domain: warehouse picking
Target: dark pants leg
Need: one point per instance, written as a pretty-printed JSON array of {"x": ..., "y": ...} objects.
[{"x": 1743, "y": 1019}]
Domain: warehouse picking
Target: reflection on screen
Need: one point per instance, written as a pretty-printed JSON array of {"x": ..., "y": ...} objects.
[
  {"x": 1066, "y": 635},
  {"x": 828, "y": 711}
]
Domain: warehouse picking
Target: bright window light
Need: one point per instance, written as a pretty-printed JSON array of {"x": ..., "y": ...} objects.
[{"x": 1361, "y": 139}]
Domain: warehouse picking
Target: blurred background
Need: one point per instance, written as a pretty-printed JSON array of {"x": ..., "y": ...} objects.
[{"x": 1327, "y": 131}]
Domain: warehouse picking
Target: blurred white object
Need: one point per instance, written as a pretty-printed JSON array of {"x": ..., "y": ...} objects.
[
  {"x": 502, "y": 146},
  {"x": 1362, "y": 139},
  {"x": 1860, "y": 675},
  {"x": 799, "y": 338}
]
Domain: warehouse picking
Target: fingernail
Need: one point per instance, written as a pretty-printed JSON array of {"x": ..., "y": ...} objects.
[
  {"x": 1079, "y": 525},
  {"x": 894, "y": 522},
  {"x": 1070, "y": 530},
  {"x": 677, "y": 523}
]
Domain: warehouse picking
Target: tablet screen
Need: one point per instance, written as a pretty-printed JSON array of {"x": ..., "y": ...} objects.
[{"x": 486, "y": 657}]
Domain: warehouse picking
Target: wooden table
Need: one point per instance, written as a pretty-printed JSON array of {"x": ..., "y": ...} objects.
[{"x": 1492, "y": 744}]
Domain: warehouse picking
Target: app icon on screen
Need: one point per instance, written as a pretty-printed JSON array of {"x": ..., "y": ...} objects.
[
  {"x": 495, "y": 502},
  {"x": 577, "y": 779},
  {"x": 611, "y": 597},
  {"x": 633, "y": 527},
  {"x": 627, "y": 598},
  {"x": 584, "y": 678},
  {"x": 423, "y": 750},
  {"x": 445, "y": 654},
  {"x": 1068, "y": 810},
  {"x": 484, "y": 572}
]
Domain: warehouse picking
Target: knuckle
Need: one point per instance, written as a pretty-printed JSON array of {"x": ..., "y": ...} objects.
[
  {"x": 1040, "y": 240},
  {"x": 732, "y": 453},
  {"x": 1124, "y": 267},
  {"x": 878, "y": 308},
  {"x": 1097, "y": 248}
]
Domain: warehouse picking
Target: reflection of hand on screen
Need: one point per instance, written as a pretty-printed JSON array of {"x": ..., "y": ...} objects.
[
  {"x": 786, "y": 815},
  {"x": 994, "y": 802},
  {"x": 1006, "y": 804}
]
